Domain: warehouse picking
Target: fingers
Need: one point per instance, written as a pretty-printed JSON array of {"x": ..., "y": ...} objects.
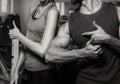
[
  {"x": 88, "y": 34},
  {"x": 97, "y": 47},
  {"x": 92, "y": 32},
  {"x": 90, "y": 41},
  {"x": 14, "y": 24},
  {"x": 99, "y": 51},
  {"x": 11, "y": 82},
  {"x": 16, "y": 81},
  {"x": 96, "y": 25},
  {"x": 91, "y": 46}
]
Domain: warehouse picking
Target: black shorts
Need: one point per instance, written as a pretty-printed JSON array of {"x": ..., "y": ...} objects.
[{"x": 40, "y": 77}]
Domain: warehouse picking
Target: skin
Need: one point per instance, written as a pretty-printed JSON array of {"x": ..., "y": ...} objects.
[
  {"x": 57, "y": 52},
  {"x": 38, "y": 48}
]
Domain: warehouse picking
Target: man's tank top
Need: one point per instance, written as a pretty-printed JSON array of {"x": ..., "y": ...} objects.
[
  {"x": 36, "y": 27},
  {"x": 107, "y": 65}
]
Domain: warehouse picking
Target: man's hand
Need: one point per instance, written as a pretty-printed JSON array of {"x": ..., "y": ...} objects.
[
  {"x": 90, "y": 50},
  {"x": 99, "y": 35}
]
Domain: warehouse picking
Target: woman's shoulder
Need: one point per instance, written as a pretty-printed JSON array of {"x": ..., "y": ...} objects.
[{"x": 53, "y": 10}]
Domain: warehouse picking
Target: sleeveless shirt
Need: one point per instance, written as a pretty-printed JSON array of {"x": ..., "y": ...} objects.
[
  {"x": 107, "y": 65},
  {"x": 35, "y": 30}
]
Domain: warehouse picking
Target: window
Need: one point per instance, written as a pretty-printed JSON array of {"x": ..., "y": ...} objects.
[{"x": 5, "y": 6}]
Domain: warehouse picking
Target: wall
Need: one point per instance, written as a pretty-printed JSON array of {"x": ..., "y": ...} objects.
[
  {"x": 22, "y": 7},
  {"x": 16, "y": 6}
]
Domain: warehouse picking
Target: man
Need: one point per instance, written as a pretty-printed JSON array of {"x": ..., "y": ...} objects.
[{"x": 94, "y": 28}]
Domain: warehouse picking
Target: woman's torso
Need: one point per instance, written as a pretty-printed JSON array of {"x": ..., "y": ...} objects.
[{"x": 36, "y": 27}]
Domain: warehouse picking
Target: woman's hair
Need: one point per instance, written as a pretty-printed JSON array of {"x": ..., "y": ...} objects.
[
  {"x": 74, "y": 2},
  {"x": 49, "y": 1},
  {"x": 46, "y": 2}
]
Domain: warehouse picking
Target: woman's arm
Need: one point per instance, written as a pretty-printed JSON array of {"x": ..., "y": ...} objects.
[
  {"x": 21, "y": 60},
  {"x": 39, "y": 48}
]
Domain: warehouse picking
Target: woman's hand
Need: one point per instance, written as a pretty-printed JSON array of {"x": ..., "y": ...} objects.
[
  {"x": 99, "y": 35},
  {"x": 14, "y": 78},
  {"x": 14, "y": 33}
]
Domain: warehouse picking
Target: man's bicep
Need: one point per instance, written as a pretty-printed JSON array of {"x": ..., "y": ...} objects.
[{"x": 63, "y": 38}]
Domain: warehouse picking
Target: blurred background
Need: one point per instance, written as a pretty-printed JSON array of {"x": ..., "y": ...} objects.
[{"x": 21, "y": 8}]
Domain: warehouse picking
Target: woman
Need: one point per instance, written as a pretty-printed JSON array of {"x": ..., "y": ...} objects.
[{"x": 41, "y": 30}]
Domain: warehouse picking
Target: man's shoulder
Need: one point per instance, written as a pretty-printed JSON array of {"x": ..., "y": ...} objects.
[{"x": 73, "y": 15}]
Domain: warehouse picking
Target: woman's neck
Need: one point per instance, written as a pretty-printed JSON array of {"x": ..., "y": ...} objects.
[{"x": 90, "y": 6}]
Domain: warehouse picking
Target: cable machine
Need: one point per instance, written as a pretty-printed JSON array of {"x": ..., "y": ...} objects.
[{"x": 9, "y": 49}]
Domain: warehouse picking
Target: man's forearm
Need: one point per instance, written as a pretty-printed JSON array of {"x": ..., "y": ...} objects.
[
  {"x": 114, "y": 43},
  {"x": 60, "y": 55}
]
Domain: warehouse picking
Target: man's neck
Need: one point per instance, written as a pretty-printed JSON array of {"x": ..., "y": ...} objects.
[{"x": 90, "y": 6}]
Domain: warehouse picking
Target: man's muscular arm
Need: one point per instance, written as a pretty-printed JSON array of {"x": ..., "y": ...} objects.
[
  {"x": 115, "y": 42},
  {"x": 58, "y": 53}
]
